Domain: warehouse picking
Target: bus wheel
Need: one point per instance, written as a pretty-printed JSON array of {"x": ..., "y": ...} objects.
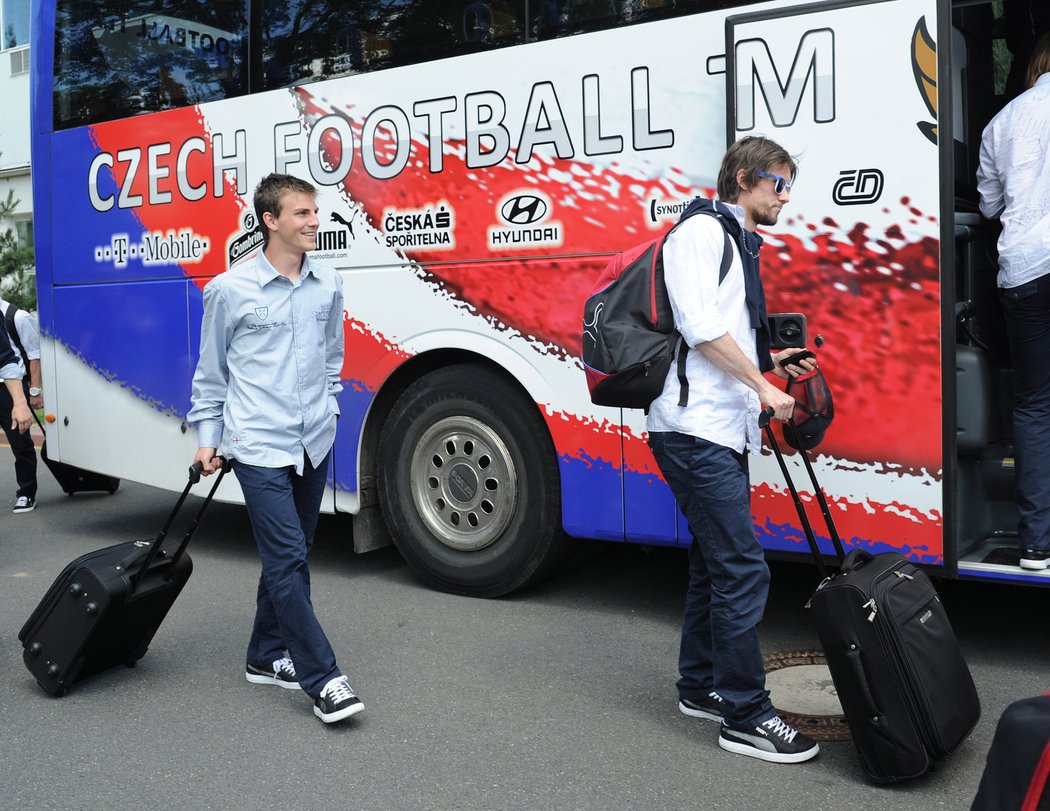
[{"x": 468, "y": 483}]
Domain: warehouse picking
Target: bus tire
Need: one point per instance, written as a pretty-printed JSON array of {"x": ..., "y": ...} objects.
[{"x": 469, "y": 484}]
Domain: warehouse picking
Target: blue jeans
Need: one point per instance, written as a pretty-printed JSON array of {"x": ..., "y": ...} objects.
[
  {"x": 728, "y": 576},
  {"x": 283, "y": 508},
  {"x": 1027, "y": 308}
]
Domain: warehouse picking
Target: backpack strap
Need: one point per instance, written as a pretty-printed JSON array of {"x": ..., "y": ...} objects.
[
  {"x": 723, "y": 271},
  {"x": 12, "y": 310}
]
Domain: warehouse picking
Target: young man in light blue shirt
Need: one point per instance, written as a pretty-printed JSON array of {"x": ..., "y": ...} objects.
[{"x": 264, "y": 396}]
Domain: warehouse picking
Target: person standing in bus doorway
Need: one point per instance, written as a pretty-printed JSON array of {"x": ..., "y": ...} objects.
[
  {"x": 16, "y": 396},
  {"x": 264, "y": 396},
  {"x": 702, "y": 448},
  {"x": 1013, "y": 180}
]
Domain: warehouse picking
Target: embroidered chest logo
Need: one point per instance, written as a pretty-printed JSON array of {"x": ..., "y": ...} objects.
[{"x": 262, "y": 312}]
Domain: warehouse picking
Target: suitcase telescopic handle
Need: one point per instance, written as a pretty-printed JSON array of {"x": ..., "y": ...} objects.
[
  {"x": 764, "y": 422},
  {"x": 195, "y": 472}
]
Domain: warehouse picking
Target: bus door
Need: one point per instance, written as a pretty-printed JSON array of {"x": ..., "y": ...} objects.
[{"x": 849, "y": 89}]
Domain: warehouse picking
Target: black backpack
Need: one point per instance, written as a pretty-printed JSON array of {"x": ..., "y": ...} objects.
[{"x": 629, "y": 339}]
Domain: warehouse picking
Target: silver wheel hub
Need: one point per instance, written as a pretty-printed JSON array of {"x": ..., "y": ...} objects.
[{"x": 464, "y": 483}]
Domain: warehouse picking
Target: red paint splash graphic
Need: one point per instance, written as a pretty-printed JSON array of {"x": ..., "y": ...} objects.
[{"x": 873, "y": 297}]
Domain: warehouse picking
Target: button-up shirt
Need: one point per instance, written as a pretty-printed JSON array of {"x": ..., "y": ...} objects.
[
  {"x": 1014, "y": 178},
  {"x": 271, "y": 354},
  {"x": 11, "y": 367},
  {"x": 721, "y": 409}
]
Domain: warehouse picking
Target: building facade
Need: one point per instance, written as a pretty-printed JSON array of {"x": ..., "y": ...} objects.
[{"x": 14, "y": 117}]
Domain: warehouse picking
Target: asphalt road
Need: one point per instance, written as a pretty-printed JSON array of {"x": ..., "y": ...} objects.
[{"x": 561, "y": 697}]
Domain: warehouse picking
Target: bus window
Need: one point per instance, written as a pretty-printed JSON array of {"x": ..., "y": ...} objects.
[
  {"x": 311, "y": 40},
  {"x": 126, "y": 58},
  {"x": 561, "y": 18}
]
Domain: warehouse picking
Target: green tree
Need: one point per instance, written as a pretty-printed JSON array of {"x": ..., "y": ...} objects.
[{"x": 17, "y": 276}]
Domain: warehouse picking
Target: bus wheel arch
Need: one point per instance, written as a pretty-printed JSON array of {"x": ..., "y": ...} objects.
[{"x": 467, "y": 477}]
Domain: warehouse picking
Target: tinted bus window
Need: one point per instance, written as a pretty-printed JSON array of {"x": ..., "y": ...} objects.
[
  {"x": 115, "y": 59},
  {"x": 309, "y": 40},
  {"x": 561, "y": 18}
]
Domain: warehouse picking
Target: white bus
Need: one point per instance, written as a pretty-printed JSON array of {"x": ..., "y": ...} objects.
[{"x": 478, "y": 164}]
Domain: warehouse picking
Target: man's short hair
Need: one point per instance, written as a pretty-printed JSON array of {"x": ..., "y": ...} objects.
[
  {"x": 268, "y": 196},
  {"x": 753, "y": 154},
  {"x": 1040, "y": 61}
]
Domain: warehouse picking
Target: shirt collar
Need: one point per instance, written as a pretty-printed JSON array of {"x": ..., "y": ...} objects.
[
  {"x": 1043, "y": 79},
  {"x": 265, "y": 272},
  {"x": 738, "y": 212}
]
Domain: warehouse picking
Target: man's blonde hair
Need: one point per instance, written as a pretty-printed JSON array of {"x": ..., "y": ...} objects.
[{"x": 268, "y": 196}]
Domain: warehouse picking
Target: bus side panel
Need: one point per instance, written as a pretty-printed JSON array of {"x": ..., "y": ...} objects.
[
  {"x": 856, "y": 249},
  {"x": 599, "y": 157},
  {"x": 124, "y": 424}
]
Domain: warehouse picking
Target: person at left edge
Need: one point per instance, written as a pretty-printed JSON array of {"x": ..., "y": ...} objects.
[
  {"x": 264, "y": 396},
  {"x": 23, "y": 328},
  {"x": 14, "y": 411}
]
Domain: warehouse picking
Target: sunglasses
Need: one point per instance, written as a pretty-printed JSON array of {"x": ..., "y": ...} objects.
[{"x": 780, "y": 185}]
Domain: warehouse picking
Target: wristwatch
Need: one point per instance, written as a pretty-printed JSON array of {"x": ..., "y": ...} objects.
[{"x": 33, "y": 392}]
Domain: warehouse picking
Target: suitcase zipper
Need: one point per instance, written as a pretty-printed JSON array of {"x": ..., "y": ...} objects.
[{"x": 874, "y": 609}]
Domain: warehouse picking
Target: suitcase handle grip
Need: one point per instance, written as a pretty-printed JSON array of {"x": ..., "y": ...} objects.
[
  {"x": 861, "y": 677},
  {"x": 197, "y": 469},
  {"x": 857, "y": 559}
]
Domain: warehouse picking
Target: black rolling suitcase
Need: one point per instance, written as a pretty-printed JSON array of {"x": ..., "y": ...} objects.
[
  {"x": 905, "y": 688},
  {"x": 76, "y": 480},
  {"x": 105, "y": 606}
]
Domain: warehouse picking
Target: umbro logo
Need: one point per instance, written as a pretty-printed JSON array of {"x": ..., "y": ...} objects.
[{"x": 524, "y": 209}]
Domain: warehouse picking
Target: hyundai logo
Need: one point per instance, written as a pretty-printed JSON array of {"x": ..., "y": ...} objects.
[{"x": 524, "y": 209}]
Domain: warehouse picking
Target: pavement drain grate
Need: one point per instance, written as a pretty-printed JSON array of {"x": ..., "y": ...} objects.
[{"x": 804, "y": 695}]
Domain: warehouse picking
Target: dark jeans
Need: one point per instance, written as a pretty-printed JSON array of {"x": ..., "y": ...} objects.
[
  {"x": 283, "y": 508},
  {"x": 1027, "y": 309},
  {"x": 21, "y": 446},
  {"x": 728, "y": 576}
]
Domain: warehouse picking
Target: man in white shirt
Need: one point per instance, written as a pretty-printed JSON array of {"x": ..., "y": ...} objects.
[
  {"x": 264, "y": 395},
  {"x": 22, "y": 326},
  {"x": 1014, "y": 183},
  {"x": 701, "y": 448}
]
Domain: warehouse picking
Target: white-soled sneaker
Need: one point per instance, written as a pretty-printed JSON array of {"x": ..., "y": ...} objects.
[
  {"x": 24, "y": 504},
  {"x": 1032, "y": 559},
  {"x": 772, "y": 740},
  {"x": 281, "y": 672},
  {"x": 709, "y": 707},
  {"x": 337, "y": 701}
]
